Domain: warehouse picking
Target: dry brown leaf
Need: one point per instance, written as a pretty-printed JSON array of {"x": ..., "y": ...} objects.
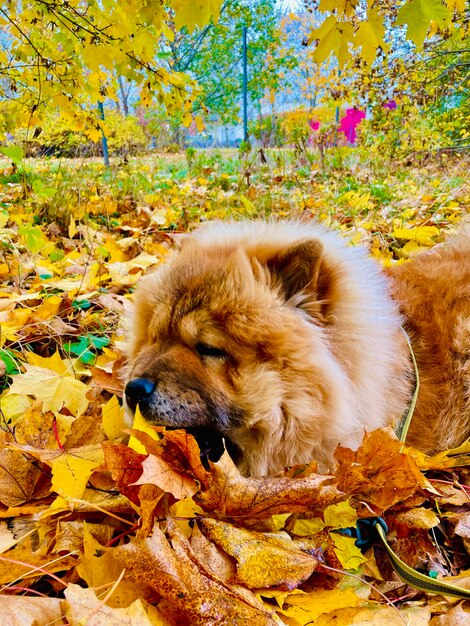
[
  {"x": 462, "y": 527},
  {"x": 149, "y": 498},
  {"x": 175, "y": 573},
  {"x": 36, "y": 428},
  {"x": 179, "y": 450},
  {"x": 156, "y": 471},
  {"x": 451, "y": 495},
  {"x": 457, "y": 616},
  {"x": 110, "y": 381},
  {"x": 418, "y": 517},
  {"x": 376, "y": 616},
  {"x": 125, "y": 466},
  {"x": 81, "y": 607},
  {"x": 18, "y": 611},
  {"x": 20, "y": 478},
  {"x": 22, "y": 561},
  {"x": 231, "y": 494},
  {"x": 378, "y": 472},
  {"x": 218, "y": 561},
  {"x": 262, "y": 560}
]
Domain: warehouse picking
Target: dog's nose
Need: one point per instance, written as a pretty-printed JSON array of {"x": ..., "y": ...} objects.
[{"x": 138, "y": 390}]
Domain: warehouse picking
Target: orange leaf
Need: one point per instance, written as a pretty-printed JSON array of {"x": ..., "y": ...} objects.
[{"x": 378, "y": 472}]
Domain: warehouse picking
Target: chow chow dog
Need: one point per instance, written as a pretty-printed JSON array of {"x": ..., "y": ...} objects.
[{"x": 282, "y": 340}]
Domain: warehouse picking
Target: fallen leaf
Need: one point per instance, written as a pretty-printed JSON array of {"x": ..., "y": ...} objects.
[
  {"x": 125, "y": 466},
  {"x": 70, "y": 474},
  {"x": 233, "y": 494},
  {"x": 419, "y": 517},
  {"x": 378, "y": 473},
  {"x": 176, "y": 574},
  {"x": 27, "y": 611},
  {"x": 158, "y": 472},
  {"x": 348, "y": 554},
  {"x": 306, "y": 608},
  {"x": 19, "y": 477},
  {"x": 262, "y": 560},
  {"x": 81, "y": 606},
  {"x": 55, "y": 390}
]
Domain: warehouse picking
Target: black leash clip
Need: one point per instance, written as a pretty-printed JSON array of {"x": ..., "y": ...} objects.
[{"x": 365, "y": 532}]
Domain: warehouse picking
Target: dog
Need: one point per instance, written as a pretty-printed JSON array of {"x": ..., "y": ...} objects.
[{"x": 281, "y": 341}]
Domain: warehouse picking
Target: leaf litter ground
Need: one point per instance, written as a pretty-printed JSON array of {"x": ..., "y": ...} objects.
[{"x": 98, "y": 528}]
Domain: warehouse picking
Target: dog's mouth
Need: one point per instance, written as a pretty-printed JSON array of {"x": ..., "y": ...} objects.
[{"x": 212, "y": 444}]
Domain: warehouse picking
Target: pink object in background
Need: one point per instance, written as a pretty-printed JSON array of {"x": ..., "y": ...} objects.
[
  {"x": 314, "y": 124},
  {"x": 349, "y": 123}
]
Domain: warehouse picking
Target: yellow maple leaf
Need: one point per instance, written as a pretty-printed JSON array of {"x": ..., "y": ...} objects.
[
  {"x": 55, "y": 390},
  {"x": 97, "y": 566},
  {"x": 418, "y": 14},
  {"x": 410, "y": 249},
  {"x": 340, "y": 515},
  {"x": 370, "y": 36},
  {"x": 113, "y": 419},
  {"x": 48, "y": 308},
  {"x": 13, "y": 405},
  {"x": 349, "y": 555},
  {"x": 190, "y": 13},
  {"x": 54, "y": 362},
  {"x": 17, "y": 320},
  {"x": 70, "y": 474},
  {"x": 306, "y": 608},
  {"x": 421, "y": 234},
  {"x": 140, "y": 423},
  {"x": 344, "y": 7},
  {"x": 332, "y": 36}
]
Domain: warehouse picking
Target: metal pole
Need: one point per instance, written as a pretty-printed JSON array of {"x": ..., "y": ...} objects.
[
  {"x": 337, "y": 114},
  {"x": 104, "y": 141},
  {"x": 245, "y": 88}
]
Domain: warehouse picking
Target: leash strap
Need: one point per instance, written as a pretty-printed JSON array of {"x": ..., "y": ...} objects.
[
  {"x": 416, "y": 579},
  {"x": 373, "y": 530},
  {"x": 402, "y": 428}
]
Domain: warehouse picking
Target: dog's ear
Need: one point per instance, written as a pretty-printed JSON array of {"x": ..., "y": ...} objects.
[{"x": 297, "y": 268}]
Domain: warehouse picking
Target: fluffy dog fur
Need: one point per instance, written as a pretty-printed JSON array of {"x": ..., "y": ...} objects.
[{"x": 286, "y": 341}]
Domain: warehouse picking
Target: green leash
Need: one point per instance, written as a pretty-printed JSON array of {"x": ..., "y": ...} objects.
[
  {"x": 402, "y": 429},
  {"x": 416, "y": 579},
  {"x": 377, "y": 524}
]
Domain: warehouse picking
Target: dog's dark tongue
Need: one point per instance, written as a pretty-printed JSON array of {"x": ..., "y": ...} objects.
[{"x": 211, "y": 444}]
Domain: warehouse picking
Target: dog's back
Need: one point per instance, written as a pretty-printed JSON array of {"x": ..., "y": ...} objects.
[{"x": 433, "y": 292}]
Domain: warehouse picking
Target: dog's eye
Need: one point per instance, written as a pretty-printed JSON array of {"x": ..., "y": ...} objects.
[{"x": 209, "y": 351}]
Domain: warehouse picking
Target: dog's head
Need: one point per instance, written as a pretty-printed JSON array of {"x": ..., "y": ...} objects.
[{"x": 227, "y": 342}]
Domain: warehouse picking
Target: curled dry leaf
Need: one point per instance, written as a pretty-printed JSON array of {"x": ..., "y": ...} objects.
[
  {"x": 179, "y": 450},
  {"x": 231, "y": 494},
  {"x": 83, "y": 607},
  {"x": 462, "y": 528},
  {"x": 195, "y": 594},
  {"x": 219, "y": 562},
  {"x": 20, "y": 478},
  {"x": 262, "y": 560},
  {"x": 160, "y": 473},
  {"x": 457, "y": 616},
  {"x": 378, "y": 473},
  {"x": 125, "y": 466},
  {"x": 18, "y": 611}
]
